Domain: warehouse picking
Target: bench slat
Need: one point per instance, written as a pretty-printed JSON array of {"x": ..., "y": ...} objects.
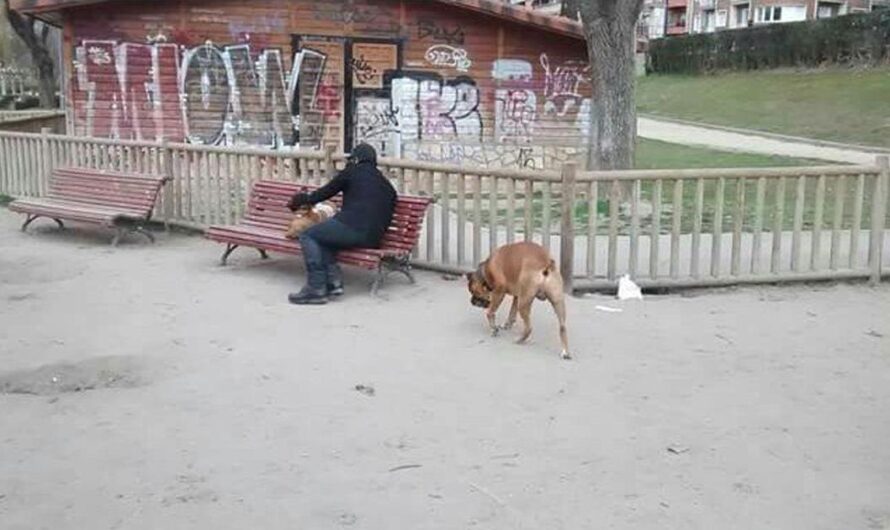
[
  {"x": 95, "y": 196},
  {"x": 267, "y": 217}
]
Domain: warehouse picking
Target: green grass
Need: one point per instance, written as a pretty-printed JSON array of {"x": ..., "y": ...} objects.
[
  {"x": 842, "y": 105},
  {"x": 5, "y": 199},
  {"x": 769, "y": 213},
  {"x": 653, "y": 154}
]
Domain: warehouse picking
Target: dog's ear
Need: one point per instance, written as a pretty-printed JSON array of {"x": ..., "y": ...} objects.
[{"x": 469, "y": 276}]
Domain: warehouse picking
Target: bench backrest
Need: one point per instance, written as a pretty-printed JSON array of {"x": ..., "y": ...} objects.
[
  {"x": 267, "y": 207},
  {"x": 132, "y": 192}
]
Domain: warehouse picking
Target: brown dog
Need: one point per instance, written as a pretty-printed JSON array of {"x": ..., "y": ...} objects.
[
  {"x": 524, "y": 271},
  {"x": 309, "y": 216}
]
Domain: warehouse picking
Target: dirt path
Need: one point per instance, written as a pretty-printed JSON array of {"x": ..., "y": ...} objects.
[
  {"x": 727, "y": 140},
  {"x": 144, "y": 387}
]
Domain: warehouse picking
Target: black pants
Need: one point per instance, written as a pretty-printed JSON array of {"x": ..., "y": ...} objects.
[{"x": 320, "y": 245}]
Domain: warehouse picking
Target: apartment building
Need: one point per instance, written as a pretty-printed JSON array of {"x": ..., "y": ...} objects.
[
  {"x": 652, "y": 18},
  {"x": 681, "y": 17}
]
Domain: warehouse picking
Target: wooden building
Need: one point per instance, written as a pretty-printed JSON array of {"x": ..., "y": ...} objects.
[{"x": 458, "y": 81}]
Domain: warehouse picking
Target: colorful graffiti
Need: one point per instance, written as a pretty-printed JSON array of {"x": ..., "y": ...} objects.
[
  {"x": 445, "y": 56},
  {"x": 562, "y": 85},
  {"x": 239, "y": 94},
  {"x": 206, "y": 94},
  {"x": 515, "y": 101}
]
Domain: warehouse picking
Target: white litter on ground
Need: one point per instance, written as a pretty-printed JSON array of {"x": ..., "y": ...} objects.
[{"x": 628, "y": 290}]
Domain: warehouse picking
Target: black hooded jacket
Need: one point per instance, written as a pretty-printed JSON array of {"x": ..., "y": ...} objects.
[{"x": 369, "y": 200}]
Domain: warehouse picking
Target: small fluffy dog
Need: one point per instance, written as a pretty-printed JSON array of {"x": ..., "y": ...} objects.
[
  {"x": 310, "y": 216},
  {"x": 524, "y": 271}
]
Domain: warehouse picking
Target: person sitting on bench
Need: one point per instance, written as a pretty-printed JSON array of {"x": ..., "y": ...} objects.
[{"x": 368, "y": 205}]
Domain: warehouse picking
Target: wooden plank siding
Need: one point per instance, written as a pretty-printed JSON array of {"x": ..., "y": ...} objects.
[{"x": 425, "y": 81}]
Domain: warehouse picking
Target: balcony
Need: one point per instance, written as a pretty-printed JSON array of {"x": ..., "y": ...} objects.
[{"x": 676, "y": 30}]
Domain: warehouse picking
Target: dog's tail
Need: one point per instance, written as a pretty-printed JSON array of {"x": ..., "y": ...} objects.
[
  {"x": 550, "y": 268},
  {"x": 547, "y": 273}
]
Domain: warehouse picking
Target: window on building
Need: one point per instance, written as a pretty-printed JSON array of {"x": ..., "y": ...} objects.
[
  {"x": 721, "y": 18},
  {"x": 770, "y": 14},
  {"x": 827, "y": 9},
  {"x": 709, "y": 20},
  {"x": 741, "y": 15}
]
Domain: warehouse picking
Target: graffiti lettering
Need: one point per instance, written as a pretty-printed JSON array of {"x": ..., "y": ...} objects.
[
  {"x": 213, "y": 95},
  {"x": 515, "y": 101},
  {"x": 378, "y": 124},
  {"x": 448, "y": 56},
  {"x": 428, "y": 29},
  {"x": 362, "y": 70},
  {"x": 562, "y": 85}
]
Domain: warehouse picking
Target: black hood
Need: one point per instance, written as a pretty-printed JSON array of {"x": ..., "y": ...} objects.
[{"x": 363, "y": 153}]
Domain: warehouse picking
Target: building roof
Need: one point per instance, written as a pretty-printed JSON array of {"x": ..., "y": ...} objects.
[{"x": 47, "y": 10}]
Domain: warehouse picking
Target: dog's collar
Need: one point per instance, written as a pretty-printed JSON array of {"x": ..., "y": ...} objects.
[{"x": 480, "y": 273}]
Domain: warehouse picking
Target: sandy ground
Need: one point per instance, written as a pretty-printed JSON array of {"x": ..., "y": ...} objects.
[{"x": 145, "y": 387}]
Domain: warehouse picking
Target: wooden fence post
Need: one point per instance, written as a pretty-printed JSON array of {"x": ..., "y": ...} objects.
[
  {"x": 567, "y": 228},
  {"x": 329, "y": 161},
  {"x": 878, "y": 214},
  {"x": 166, "y": 156},
  {"x": 45, "y": 162}
]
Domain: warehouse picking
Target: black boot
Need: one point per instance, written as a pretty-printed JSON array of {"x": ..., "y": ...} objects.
[
  {"x": 314, "y": 293},
  {"x": 308, "y": 296},
  {"x": 334, "y": 281}
]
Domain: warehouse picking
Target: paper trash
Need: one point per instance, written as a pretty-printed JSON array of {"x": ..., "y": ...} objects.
[{"x": 628, "y": 290}]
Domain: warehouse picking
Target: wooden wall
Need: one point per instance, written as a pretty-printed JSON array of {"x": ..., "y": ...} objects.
[{"x": 416, "y": 79}]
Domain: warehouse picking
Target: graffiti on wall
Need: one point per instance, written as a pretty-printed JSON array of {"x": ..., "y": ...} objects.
[
  {"x": 515, "y": 101},
  {"x": 206, "y": 94},
  {"x": 242, "y": 94},
  {"x": 429, "y": 29},
  {"x": 445, "y": 56},
  {"x": 562, "y": 85}
]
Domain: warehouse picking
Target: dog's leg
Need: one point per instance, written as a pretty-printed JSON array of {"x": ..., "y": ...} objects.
[
  {"x": 514, "y": 309},
  {"x": 496, "y": 298},
  {"x": 525, "y": 311},
  {"x": 557, "y": 300}
]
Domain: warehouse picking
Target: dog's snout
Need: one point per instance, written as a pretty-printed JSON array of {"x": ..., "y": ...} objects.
[{"x": 479, "y": 302}]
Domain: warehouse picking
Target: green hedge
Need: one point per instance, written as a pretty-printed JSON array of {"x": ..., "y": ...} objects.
[{"x": 850, "y": 39}]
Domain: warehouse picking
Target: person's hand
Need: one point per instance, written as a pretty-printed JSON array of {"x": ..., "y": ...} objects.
[{"x": 299, "y": 200}]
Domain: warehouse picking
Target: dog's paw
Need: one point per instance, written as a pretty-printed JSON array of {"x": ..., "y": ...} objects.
[
  {"x": 507, "y": 326},
  {"x": 495, "y": 331},
  {"x": 566, "y": 356}
]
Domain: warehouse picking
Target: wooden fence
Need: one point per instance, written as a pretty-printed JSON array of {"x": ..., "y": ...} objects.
[{"x": 663, "y": 228}]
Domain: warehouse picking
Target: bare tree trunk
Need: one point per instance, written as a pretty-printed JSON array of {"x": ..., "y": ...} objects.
[
  {"x": 26, "y": 30},
  {"x": 613, "y": 120},
  {"x": 609, "y": 26}
]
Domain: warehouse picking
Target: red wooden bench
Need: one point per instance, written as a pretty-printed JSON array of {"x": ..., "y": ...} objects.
[
  {"x": 267, "y": 219},
  {"x": 123, "y": 201}
]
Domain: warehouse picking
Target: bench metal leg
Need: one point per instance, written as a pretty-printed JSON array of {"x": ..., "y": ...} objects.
[
  {"x": 388, "y": 266},
  {"x": 118, "y": 234},
  {"x": 263, "y": 253},
  {"x": 228, "y": 252},
  {"x": 31, "y": 218},
  {"x": 122, "y": 231},
  {"x": 147, "y": 233}
]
